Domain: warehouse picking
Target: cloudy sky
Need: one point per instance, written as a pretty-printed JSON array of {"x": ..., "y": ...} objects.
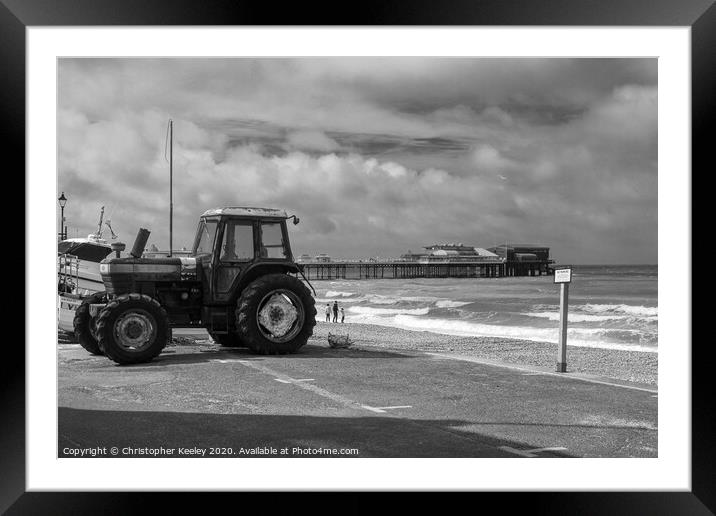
[{"x": 375, "y": 155}]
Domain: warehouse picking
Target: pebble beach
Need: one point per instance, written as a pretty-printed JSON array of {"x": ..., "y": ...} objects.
[{"x": 631, "y": 366}]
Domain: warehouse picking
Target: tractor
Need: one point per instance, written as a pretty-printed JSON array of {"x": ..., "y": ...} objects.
[{"x": 240, "y": 283}]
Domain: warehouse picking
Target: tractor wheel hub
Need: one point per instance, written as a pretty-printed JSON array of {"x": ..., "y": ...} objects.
[
  {"x": 278, "y": 315},
  {"x": 134, "y": 330}
]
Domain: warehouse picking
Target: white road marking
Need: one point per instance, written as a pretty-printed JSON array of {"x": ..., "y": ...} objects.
[
  {"x": 280, "y": 377},
  {"x": 532, "y": 452},
  {"x": 548, "y": 373},
  {"x": 395, "y": 407}
]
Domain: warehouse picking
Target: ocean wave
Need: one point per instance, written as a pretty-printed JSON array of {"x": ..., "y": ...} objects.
[
  {"x": 374, "y": 299},
  {"x": 418, "y": 299},
  {"x": 554, "y": 316},
  {"x": 383, "y": 300},
  {"x": 342, "y": 283},
  {"x": 581, "y": 337},
  {"x": 636, "y": 310},
  {"x": 369, "y": 310},
  {"x": 336, "y": 293},
  {"x": 447, "y": 303},
  {"x": 343, "y": 300}
]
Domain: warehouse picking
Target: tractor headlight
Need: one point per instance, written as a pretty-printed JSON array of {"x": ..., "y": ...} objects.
[{"x": 104, "y": 268}]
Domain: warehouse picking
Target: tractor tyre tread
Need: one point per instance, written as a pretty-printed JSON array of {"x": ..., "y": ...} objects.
[
  {"x": 81, "y": 324},
  {"x": 246, "y": 316},
  {"x": 105, "y": 329}
]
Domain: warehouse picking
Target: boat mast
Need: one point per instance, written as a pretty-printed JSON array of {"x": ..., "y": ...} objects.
[
  {"x": 99, "y": 224},
  {"x": 171, "y": 179}
]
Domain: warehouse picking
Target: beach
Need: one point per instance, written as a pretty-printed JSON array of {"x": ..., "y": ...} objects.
[{"x": 631, "y": 366}]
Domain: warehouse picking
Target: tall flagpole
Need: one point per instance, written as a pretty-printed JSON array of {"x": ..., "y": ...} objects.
[{"x": 171, "y": 178}]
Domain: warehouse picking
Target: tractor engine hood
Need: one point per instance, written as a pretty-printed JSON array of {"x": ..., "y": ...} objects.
[
  {"x": 120, "y": 275},
  {"x": 184, "y": 266}
]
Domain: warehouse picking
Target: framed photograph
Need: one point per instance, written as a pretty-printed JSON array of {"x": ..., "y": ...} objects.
[{"x": 282, "y": 236}]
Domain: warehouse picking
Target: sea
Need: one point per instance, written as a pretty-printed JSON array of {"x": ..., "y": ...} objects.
[{"x": 610, "y": 306}]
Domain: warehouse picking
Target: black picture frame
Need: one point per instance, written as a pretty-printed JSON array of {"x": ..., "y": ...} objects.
[{"x": 17, "y": 15}]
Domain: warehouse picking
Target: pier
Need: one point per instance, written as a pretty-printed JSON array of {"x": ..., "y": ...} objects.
[{"x": 407, "y": 270}]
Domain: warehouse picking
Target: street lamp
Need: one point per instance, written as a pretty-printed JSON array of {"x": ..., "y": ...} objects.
[{"x": 62, "y": 200}]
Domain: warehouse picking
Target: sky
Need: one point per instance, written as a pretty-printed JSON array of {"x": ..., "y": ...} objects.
[{"x": 377, "y": 156}]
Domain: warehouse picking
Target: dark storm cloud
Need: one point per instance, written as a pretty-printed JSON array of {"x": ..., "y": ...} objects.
[{"x": 376, "y": 155}]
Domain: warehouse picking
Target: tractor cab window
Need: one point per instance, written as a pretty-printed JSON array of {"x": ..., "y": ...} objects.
[
  {"x": 238, "y": 242},
  {"x": 205, "y": 237},
  {"x": 272, "y": 245}
]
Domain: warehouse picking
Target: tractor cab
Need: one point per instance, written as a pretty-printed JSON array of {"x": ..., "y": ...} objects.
[{"x": 233, "y": 244}]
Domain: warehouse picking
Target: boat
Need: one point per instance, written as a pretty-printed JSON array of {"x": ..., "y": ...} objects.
[
  {"x": 78, "y": 264},
  {"x": 78, "y": 273}
]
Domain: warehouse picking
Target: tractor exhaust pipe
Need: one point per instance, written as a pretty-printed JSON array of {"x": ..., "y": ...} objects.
[{"x": 140, "y": 243}]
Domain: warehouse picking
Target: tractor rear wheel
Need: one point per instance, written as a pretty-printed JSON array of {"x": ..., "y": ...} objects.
[
  {"x": 132, "y": 328},
  {"x": 228, "y": 340},
  {"x": 275, "y": 315},
  {"x": 85, "y": 325}
]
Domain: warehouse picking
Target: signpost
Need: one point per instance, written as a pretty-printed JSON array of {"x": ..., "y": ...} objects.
[{"x": 563, "y": 276}]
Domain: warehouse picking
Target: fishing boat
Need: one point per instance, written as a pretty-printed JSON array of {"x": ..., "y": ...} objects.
[{"x": 78, "y": 273}]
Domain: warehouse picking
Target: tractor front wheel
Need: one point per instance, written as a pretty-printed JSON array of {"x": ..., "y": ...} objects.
[
  {"x": 85, "y": 325},
  {"x": 275, "y": 315},
  {"x": 132, "y": 328}
]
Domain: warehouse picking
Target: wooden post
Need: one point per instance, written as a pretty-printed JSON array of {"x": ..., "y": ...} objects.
[{"x": 563, "y": 310}]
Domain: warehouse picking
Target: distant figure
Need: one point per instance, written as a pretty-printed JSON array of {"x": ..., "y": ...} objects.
[
  {"x": 328, "y": 312},
  {"x": 335, "y": 311},
  {"x": 343, "y": 315}
]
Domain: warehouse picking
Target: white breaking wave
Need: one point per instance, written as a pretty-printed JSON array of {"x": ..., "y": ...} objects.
[
  {"x": 447, "y": 303},
  {"x": 470, "y": 329},
  {"x": 378, "y": 299},
  {"x": 369, "y": 310},
  {"x": 554, "y": 316},
  {"x": 336, "y": 293},
  {"x": 636, "y": 310},
  {"x": 341, "y": 301},
  {"x": 383, "y": 300}
]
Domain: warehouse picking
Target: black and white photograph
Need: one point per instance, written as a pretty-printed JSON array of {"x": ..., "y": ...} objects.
[
  {"x": 357, "y": 257},
  {"x": 403, "y": 250},
  {"x": 408, "y": 247}
]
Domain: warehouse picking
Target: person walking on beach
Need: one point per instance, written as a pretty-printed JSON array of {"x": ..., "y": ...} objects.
[
  {"x": 328, "y": 312},
  {"x": 335, "y": 311},
  {"x": 343, "y": 315}
]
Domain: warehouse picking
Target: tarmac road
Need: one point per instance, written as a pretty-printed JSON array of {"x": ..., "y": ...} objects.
[{"x": 382, "y": 403}]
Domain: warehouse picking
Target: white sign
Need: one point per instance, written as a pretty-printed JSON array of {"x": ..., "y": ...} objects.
[{"x": 562, "y": 275}]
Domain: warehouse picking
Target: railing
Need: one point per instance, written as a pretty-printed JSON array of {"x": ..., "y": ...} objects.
[
  {"x": 68, "y": 273},
  {"x": 405, "y": 270}
]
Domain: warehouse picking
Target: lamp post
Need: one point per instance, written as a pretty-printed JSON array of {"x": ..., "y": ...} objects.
[{"x": 62, "y": 200}]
